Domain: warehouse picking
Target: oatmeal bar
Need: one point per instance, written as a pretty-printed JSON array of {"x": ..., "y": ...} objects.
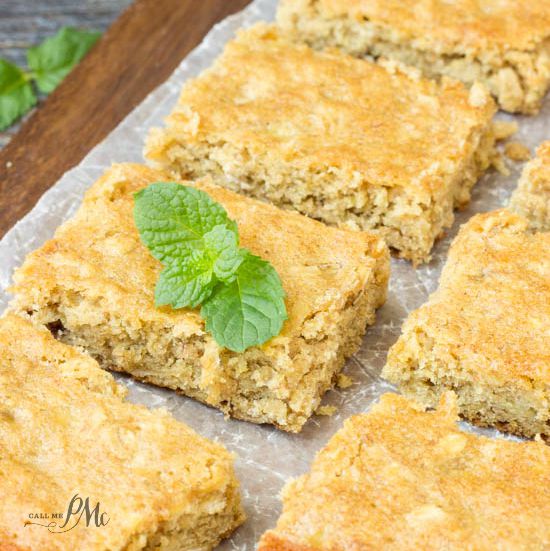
[
  {"x": 93, "y": 286},
  {"x": 504, "y": 44},
  {"x": 65, "y": 429},
  {"x": 532, "y": 196},
  {"x": 401, "y": 478},
  {"x": 339, "y": 139},
  {"x": 484, "y": 332}
]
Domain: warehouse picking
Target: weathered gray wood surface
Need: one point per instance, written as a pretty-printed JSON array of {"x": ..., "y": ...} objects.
[{"x": 24, "y": 23}]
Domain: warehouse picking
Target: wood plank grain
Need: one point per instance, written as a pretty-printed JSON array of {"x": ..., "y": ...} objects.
[{"x": 136, "y": 54}]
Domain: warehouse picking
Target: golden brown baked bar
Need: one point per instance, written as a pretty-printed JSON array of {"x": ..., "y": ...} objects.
[
  {"x": 400, "y": 478},
  {"x": 505, "y": 44},
  {"x": 342, "y": 140},
  {"x": 93, "y": 285},
  {"x": 65, "y": 429},
  {"x": 484, "y": 332},
  {"x": 532, "y": 196}
]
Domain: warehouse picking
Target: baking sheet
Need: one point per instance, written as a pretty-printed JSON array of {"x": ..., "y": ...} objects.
[{"x": 266, "y": 457}]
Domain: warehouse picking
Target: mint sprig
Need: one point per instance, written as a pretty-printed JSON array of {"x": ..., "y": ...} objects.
[
  {"x": 16, "y": 93},
  {"x": 249, "y": 310},
  {"x": 241, "y": 295},
  {"x": 49, "y": 63}
]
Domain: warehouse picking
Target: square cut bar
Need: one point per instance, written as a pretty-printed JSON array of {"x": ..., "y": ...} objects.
[
  {"x": 504, "y": 44},
  {"x": 93, "y": 285},
  {"x": 532, "y": 196},
  {"x": 401, "y": 478},
  {"x": 484, "y": 332},
  {"x": 65, "y": 429},
  {"x": 339, "y": 139}
]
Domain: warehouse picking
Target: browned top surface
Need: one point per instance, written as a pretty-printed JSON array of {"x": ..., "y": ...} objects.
[
  {"x": 443, "y": 25},
  {"x": 401, "y": 478},
  {"x": 492, "y": 308},
  {"x": 318, "y": 110}
]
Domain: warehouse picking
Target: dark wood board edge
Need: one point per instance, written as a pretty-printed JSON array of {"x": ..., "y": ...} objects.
[{"x": 137, "y": 53}]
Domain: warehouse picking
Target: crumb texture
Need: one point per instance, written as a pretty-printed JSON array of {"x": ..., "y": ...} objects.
[
  {"x": 93, "y": 286},
  {"x": 532, "y": 196},
  {"x": 402, "y": 478},
  {"x": 505, "y": 44},
  {"x": 339, "y": 139},
  {"x": 516, "y": 151},
  {"x": 484, "y": 332},
  {"x": 65, "y": 429}
]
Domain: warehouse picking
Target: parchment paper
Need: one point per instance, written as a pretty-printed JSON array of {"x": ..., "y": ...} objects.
[{"x": 266, "y": 457}]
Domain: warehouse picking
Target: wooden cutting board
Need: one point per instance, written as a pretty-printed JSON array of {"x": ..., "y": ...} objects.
[{"x": 139, "y": 51}]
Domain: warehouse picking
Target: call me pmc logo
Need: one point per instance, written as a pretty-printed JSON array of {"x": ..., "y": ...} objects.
[{"x": 79, "y": 511}]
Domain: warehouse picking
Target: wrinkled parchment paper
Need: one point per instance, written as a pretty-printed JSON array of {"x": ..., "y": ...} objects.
[{"x": 266, "y": 457}]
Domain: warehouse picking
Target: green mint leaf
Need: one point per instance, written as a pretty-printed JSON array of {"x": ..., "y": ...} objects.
[
  {"x": 185, "y": 284},
  {"x": 223, "y": 245},
  {"x": 188, "y": 281},
  {"x": 241, "y": 295},
  {"x": 173, "y": 219},
  {"x": 16, "y": 93},
  {"x": 192, "y": 236},
  {"x": 52, "y": 60},
  {"x": 249, "y": 310}
]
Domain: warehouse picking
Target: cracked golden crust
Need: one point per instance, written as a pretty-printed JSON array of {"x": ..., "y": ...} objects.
[
  {"x": 469, "y": 26},
  {"x": 532, "y": 195},
  {"x": 492, "y": 308},
  {"x": 325, "y": 111},
  {"x": 401, "y": 478},
  {"x": 484, "y": 332},
  {"x": 65, "y": 429}
]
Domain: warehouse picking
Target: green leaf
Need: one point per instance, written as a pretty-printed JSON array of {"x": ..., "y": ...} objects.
[
  {"x": 192, "y": 236},
  {"x": 52, "y": 60},
  {"x": 188, "y": 281},
  {"x": 185, "y": 284},
  {"x": 173, "y": 219},
  {"x": 241, "y": 295},
  {"x": 248, "y": 311},
  {"x": 16, "y": 93},
  {"x": 223, "y": 246}
]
